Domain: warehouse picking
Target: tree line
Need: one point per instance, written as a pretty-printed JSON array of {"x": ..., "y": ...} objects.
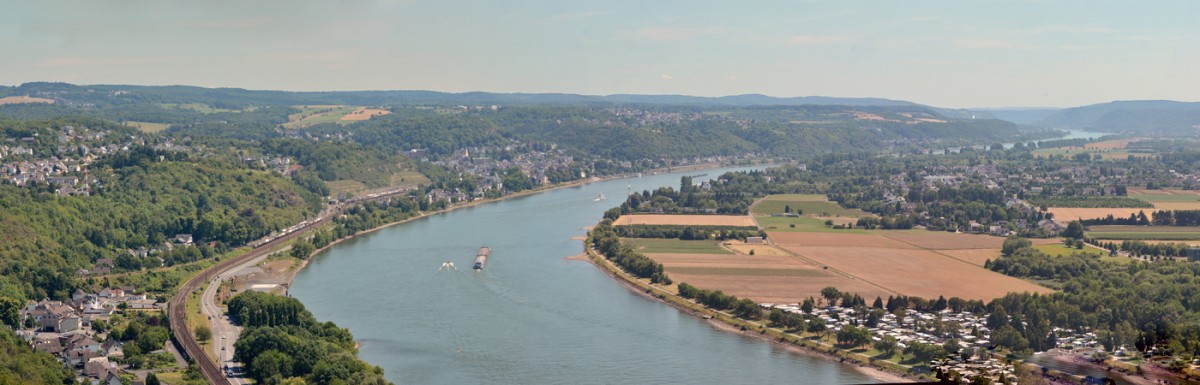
[{"x": 282, "y": 341}]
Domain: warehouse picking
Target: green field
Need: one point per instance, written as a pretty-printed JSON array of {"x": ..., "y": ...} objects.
[
  {"x": 1145, "y": 233},
  {"x": 1145, "y": 236},
  {"x": 746, "y": 272},
  {"x": 1061, "y": 250},
  {"x": 345, "y": 186},
  {"x": 814, "y": 205},
  {"x": 148, "y": 127},
  {"x": 313, "y": 115},
  {"x": 675, "y": 246},
  {"x": 803, "y": 224},
  {"x": 1167, "y": 198}
]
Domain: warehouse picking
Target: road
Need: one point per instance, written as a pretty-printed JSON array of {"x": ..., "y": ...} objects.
[{"x": 225, "y": 333}]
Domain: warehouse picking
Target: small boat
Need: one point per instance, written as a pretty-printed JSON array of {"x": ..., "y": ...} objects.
[
  {"x": 447, "y": 266},
  {"x": 599, "y": 198}
]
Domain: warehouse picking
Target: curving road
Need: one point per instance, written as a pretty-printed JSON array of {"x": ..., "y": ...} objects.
[{"x": 225, "y": 334}]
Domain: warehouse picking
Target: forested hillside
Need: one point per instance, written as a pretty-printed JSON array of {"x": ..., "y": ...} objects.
[
  {"x": 1137, "y": 117},
  {"x": 145, "y": 198}
]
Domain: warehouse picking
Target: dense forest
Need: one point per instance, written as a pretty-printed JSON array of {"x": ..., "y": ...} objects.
[{"x": 282, "y": 340}]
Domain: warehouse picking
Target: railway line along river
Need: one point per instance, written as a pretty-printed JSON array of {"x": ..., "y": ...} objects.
[{"x": 531, "y": 316}]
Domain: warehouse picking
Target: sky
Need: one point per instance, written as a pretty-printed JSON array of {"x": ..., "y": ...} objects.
[{"x": 959, "y": 54}]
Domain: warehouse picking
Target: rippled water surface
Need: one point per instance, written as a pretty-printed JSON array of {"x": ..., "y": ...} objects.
[{"x": 532, "y": 317}]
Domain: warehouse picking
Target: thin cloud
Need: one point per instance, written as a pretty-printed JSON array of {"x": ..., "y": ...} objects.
[
  {"x": 666, "y": 77},
  {"x": 577, "y": 16},
  {"x": 984, "y": 43},
  {"x": 673, "y": 34},
  {"x": 811, "y": 40}
]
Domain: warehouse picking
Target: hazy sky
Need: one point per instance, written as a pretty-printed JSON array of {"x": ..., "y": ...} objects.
[{"x": 944, "y": 53}]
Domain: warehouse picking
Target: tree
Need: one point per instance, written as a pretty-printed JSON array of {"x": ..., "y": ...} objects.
[
  {"x": 1074, "y": 230},
  {"x": 152, "y": 379},
  {"x": 271, "y": 366},
  {"x": 10, "y": 314},
  {"x": 886, "y": 345},
  {"x": 830, "y": 294},
  {"x": 1012, "y": 244},
  {"x": 302, "y": 249},
  {"x": 203, "y": 333},
  {"x": 853, "y": 336}
]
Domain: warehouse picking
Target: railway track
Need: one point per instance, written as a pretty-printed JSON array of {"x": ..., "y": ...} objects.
[{"x": 183, "y": 338}]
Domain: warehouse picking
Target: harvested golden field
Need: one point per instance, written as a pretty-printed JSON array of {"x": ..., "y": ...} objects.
[
  {"x": 943, "y": 240},
  {"x": 23, "y": 100},
  {"x": 363, "y": 113},
  {"x": 1134, "y": 192},
  {"x": 974, "y": 256},
  {"x": 731, "y": 260},
  {"x": 695, "y": 220},
  {"x": 762, "y": 278},
  {"x": 744, "y": 249},
  {"x": 1064, "y": 214},
  {"x": 834, "y": 239},
  {"x": 920, "y": 273},
  {"x": 1110, "y": 144}
]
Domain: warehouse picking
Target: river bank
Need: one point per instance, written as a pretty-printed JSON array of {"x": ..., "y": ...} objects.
[{"x": 727, "y": 323}]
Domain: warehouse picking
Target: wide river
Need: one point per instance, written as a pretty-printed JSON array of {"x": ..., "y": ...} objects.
[{"x": 532, "y": 316}]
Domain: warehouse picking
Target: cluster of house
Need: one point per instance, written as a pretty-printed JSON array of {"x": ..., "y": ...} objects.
[
  {"x": 77, "y": 147},
  {"x": 479, "y": 161},
  {"x": 64, "y": 330},
  {"x": 282, "y": 165},
  {"x": 105, "y": 265},
  {"x": 969, "y": 330}
]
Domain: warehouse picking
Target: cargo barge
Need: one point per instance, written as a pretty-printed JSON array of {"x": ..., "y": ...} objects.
[{"x": 481, "y": 257}]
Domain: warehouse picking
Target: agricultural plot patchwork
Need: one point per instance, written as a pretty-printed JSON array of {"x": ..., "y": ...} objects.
[{"x": 694, "y": 220}]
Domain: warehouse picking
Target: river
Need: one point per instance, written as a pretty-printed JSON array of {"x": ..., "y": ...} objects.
[
  {"x": 532, "y": 316},
  {"x": 1071, "y": 134}
]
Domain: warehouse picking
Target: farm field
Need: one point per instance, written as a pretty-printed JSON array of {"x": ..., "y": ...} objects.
[
  {"x": 1109, "y": 149},
  {"x": 944, "y": 240},
  {"x": 23, "y": 100},
  {"x": 1059, "y": 250},
  {"x": 922, "y": 273},
  {"x": 696, "y": 220},
  {"x": 148, "y": 127},
  {"x": 758, "y": 249},
  {"x": 975, "y": 257},
  {"x": 762, "y": 278},
  {"x": 1163, "y": 233},
  {"x": 808, "y": 204},
  {"x": 363, "y": 113},
  {"x": 1073, "y": 213},
  {"x": 313, "y": 115},
  {"x": 802, "y": 224},
  {"x": 1170, "y": 199},
  {"x": 863, "y": 239},
  {"x": 658, "y": 245}
]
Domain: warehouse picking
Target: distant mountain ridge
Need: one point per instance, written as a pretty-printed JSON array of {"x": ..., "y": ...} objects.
[
  {"x": 1135, "y": 116},
  {"x": 238, "y": 97}
]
